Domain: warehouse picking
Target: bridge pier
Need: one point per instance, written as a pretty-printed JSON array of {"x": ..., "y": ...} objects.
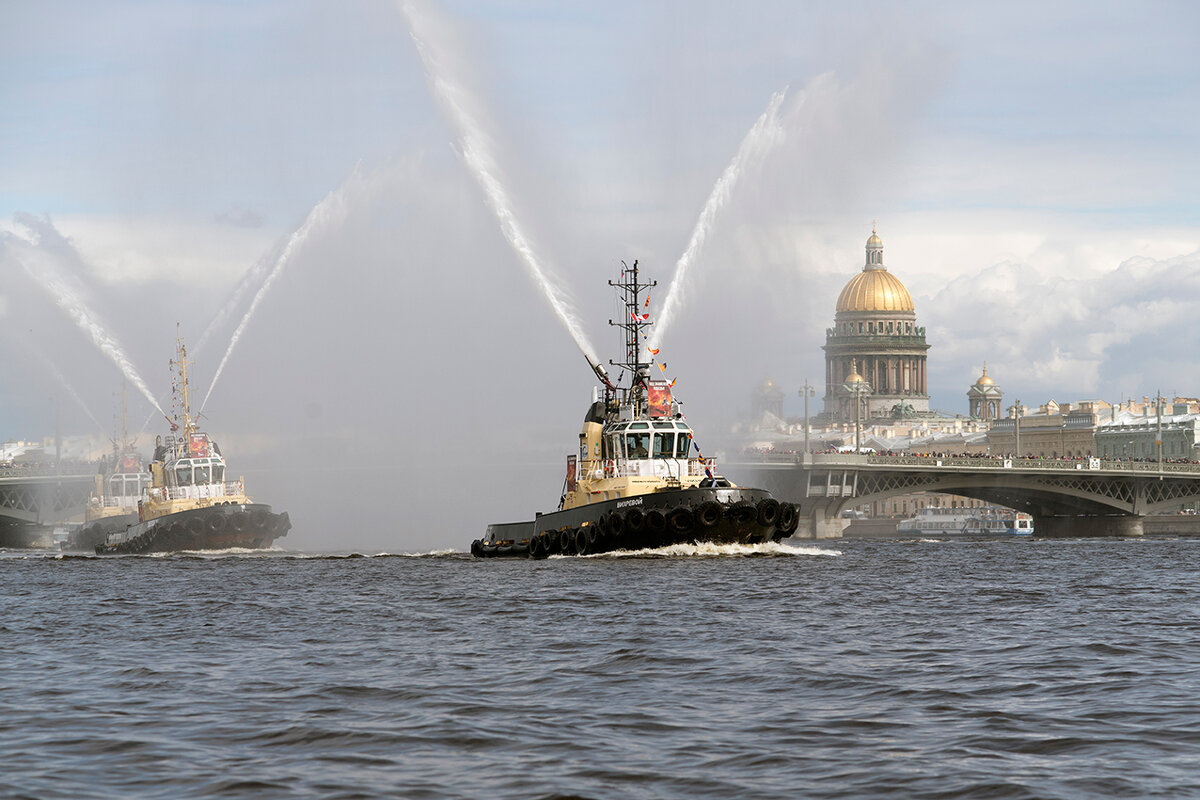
[
  {"x": 819, "y": 526},
  {"x": 1070, "y": 527}
]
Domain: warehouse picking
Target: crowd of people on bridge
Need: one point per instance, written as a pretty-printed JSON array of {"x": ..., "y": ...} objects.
[{"x": 772, "y": 451}]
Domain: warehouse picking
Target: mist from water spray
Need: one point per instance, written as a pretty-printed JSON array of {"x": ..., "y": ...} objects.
[
  {"x": 235, "y": 298},
  {"x": 476, "y": 150},
  {"x": 330, "y": 209},
  {"x": 70, "y": 390},
  {"x": 762, "y": 137},
  {"x": 69, "y": 301}
]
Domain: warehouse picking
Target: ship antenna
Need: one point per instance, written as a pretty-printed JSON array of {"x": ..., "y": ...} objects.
[{"x": 633, "y": 322}]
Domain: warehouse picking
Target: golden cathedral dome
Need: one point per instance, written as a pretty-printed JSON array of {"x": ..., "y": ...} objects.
[
  {"x": 875, "y": 290},
  {"x": 984, "y": 380}
]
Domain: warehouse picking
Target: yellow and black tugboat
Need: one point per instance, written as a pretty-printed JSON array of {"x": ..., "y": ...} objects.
[
  {"x": 113, "y": 505},
  {"x": 639, "y": 479},
  {"x": 190, "y": 505}
]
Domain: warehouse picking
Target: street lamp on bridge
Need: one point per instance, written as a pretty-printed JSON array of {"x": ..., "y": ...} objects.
[
  {"x": 1015, "y": 408},
  {"x": 806, "y": 392},
  {"x": 857, "y": 386}
]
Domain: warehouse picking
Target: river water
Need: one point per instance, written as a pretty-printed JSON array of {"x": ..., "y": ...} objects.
[{"x": 985, "y": 668}]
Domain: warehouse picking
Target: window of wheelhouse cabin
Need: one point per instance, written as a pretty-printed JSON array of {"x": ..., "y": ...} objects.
[
  {"x": 218, "y": 470},
  {"x": 637, "y": 445},
  {"x": 664, "y": 444},
  {"x": 183, "y": 474},
  {"x": 202, "y": 474},
  {"x": 682, "y": 444}
]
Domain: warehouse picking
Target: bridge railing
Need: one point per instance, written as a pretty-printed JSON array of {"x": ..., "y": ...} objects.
[
  {"x": 43, "y": 470},
  {"x": 973, "y": 462}
]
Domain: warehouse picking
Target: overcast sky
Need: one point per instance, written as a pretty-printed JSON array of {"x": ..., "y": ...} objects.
[{"x": 402, "y": 381}]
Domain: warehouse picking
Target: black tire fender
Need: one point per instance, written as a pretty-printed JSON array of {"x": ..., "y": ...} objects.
[
  {"x": 708, "y": 515},
  {"x": 768, "y": 512}
]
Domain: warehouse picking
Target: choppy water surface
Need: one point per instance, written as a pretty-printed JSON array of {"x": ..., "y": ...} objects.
[{"x": 1004, "y": 668}]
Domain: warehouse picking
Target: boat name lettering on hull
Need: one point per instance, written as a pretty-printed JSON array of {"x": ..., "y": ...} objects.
[{"x": 637, "y": 501}]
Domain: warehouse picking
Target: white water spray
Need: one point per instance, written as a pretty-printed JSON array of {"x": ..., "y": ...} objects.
[
  {"x": 476, "y": 150},
  {"x": 330, "y": 209},
  {"x": 235, "y": 297},
  {"x": 69, "y": 301},
  {"x": 62, "y": 380},
  {"x": 766, "y": 133}
]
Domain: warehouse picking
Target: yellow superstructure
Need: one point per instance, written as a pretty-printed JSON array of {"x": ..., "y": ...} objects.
[
  {"x": 188, "y": 471},
  {"x": 633, "y": 457}
]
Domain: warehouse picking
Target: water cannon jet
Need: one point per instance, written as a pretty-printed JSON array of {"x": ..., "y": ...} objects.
[{"x": 601, "y": 373}]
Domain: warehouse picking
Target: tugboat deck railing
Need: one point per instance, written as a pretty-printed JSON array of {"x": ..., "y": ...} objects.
[
  {"x": 655, "y": 467},
  {"x": 200, "y": 492}
]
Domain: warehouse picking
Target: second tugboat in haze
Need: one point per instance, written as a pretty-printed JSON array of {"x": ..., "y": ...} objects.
[
  {"x": 638, "y": 480},
  {"x": 190, "y": 505}
]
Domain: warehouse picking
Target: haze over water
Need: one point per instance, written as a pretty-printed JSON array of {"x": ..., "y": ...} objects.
[{"x": 985, "y": 668}]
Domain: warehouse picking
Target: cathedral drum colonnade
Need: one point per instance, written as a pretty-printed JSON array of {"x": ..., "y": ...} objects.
[{"x": 875, "y": 333}]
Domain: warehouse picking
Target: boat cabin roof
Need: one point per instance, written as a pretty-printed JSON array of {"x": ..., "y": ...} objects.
[{"x": 651, "y": 424}]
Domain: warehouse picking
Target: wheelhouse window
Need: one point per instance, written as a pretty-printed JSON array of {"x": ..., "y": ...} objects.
[
  {"x": 183, "y": 475},
  {"x": 682, "y": 443},
  {"x": 637, "y": 445},
  {"x": 218, "y": 473},
  {"x": 664, "y": 444},
  {"x": 202, "y": 474}
]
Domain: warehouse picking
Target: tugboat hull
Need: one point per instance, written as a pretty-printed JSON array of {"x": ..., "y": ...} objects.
[
  {"x": 721, "y": 515},
  {"x": 95, "y": 533},
  {"x": 245, "y": 525}
]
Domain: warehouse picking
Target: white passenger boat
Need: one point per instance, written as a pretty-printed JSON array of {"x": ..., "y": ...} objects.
[{"x": 982, "y": 521}]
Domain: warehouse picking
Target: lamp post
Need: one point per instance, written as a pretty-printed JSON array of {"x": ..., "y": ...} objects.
[
  {"x": 806, "y": 392},
  {"x": 1158, "y": 436},
  {"x": 857, "y": 386},
  {"x": 1016, "y": 412}
]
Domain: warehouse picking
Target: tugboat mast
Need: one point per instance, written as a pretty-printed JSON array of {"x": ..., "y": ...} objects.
[
  {"x": 633, "y": 322},
  {"x": 180, "y": 363}
]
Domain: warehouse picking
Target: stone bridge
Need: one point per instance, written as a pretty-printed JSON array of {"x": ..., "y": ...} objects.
[{"x": 1089, "y": 497}]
